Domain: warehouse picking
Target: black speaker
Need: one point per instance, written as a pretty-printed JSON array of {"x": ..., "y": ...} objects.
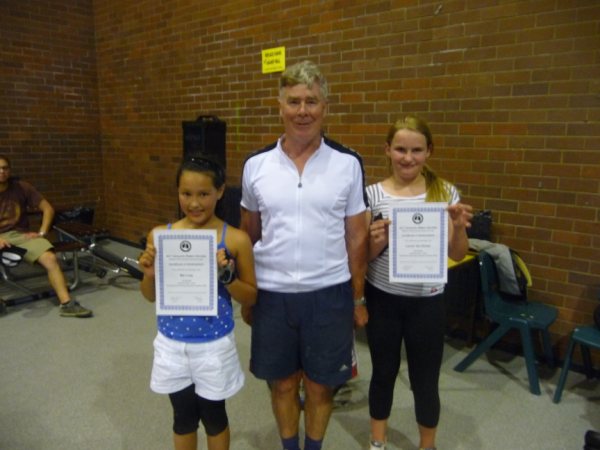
[
  {"x": 205, "y": 137},
  {"x": 229, "y": 205}
]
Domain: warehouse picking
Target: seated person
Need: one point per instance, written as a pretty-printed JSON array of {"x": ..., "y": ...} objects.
[{"x": 16, "y": 197}]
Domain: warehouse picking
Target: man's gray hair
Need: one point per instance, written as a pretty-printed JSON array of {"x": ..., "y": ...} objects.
[{"x": 305, "y": 72}]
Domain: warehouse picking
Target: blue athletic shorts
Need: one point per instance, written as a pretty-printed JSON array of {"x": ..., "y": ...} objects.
[{"x": 308, "y": 331}]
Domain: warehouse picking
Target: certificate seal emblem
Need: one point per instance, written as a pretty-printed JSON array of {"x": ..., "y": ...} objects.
[
  {"x": 417, "y": 218},
  {"x": 185, "y": 246}
]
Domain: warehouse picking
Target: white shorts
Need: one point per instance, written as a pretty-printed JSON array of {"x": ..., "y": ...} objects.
[{"x": 213, "y": 367}]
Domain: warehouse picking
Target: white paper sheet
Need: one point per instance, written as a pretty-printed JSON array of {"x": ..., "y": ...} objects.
[
  {"x": 186, "y": 272},
  {"x": 418, "y": 242}
]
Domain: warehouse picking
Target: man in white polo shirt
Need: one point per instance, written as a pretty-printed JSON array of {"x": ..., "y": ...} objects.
[{"x": 303, "y": 205}]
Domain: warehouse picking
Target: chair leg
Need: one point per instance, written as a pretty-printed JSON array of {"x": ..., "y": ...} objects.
[
  {"x": 483, "y": 347},
  {"x": 76, "y": 276},
  {"x": 564, "y": 372},
  {"x": 534, "y": 382},
  {"x": 547, "y": 343},
  {"x": 4, "y": 273}
]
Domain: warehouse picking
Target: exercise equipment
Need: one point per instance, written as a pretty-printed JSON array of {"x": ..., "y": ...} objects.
[
  {"x": 104, "y": 252},
  {"x": 79, "y": 246},
  {"x": 121, "y": 256},
  {"x": 11, "y": 257}
]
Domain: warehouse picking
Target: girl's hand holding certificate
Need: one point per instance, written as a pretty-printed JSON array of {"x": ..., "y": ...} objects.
[{"x": 146, "y": 260}]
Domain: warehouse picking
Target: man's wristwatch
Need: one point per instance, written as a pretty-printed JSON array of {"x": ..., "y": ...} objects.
[{"x": 360, "y": 301}]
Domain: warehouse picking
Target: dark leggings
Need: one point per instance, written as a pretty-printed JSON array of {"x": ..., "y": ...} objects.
[
  {"x": 189, "y": 409},
  {"x": 419, "y": 322}
]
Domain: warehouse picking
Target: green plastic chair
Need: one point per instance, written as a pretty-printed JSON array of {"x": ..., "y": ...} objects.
[
  {"x": 587, "y": 337},
  {"x": 521, "y": 315}
]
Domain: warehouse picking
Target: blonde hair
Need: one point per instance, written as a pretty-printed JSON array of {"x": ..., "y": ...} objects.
[{"x": 436, "y": 187}]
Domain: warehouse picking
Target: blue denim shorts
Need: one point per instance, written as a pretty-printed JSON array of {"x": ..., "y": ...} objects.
[{"x": 308, "y": 331}]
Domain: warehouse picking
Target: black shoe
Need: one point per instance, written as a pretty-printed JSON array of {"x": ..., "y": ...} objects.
[{"x": 592, "y": 440}]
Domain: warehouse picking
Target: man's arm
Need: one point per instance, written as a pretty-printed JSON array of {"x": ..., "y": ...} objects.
[
  {"x": 47, "y": 216},
  {"x": 250, "y": 222},
  {"x": 356, "y": 246}
]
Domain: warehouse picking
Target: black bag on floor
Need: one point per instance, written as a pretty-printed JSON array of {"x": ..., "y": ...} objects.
[
  {"x": 592, "y": 439},
  {"x": 82, "y": 214}
]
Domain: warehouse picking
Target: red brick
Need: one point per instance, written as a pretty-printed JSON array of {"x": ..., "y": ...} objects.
[
  {"x": 538, "y": 209},
  {"x": 511, "y": 90}
]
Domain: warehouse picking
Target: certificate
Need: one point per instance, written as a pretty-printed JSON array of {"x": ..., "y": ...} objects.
[
  {"x": 186, "y": 272},
  {"x": 418, "y": 242}
]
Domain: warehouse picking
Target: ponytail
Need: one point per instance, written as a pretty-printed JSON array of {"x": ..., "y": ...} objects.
[{"x": 437, "y": 188}]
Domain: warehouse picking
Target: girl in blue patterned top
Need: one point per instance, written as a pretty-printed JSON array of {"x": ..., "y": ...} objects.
[{"x": 195, "y": 357}]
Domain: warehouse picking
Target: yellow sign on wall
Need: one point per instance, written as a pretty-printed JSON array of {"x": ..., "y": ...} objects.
[{"x": 273, "y": 60}]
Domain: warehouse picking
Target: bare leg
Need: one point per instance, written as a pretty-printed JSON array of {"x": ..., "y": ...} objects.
[
  {"x": 55, "y": 276},
  {"x": 185, "y": 441},
  {"x": 427, "y": 437},
  {"x": 218, "y": 442},
  {"x": 286, "y": 405},
  {"x": 378, "y": 430},
  {"x": 317, "y": 408}
]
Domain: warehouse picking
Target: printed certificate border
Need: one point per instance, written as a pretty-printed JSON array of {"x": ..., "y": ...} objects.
[
  {"x": 442, "y": 273},
  {"x": 213, "y": 290}
]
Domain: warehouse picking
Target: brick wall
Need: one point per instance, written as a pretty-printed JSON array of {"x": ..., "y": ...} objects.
[
  {"x": 48, "y": 99},
  {"x": 511, "y": 92}
]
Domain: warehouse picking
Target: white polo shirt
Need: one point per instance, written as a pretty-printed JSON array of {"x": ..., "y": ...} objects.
[{"x": 303, "y": 246}]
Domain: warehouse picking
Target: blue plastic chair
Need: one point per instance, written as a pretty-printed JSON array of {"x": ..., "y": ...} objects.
[
  {"x": 587, "y": 337},
  {"x": 522, "y": 315}
]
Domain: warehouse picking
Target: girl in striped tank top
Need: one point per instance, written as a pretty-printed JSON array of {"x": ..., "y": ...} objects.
[{"x": 406, "y": 312}]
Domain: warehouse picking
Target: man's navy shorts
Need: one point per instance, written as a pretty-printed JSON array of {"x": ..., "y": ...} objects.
[{"x": 308, "y": 331}]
